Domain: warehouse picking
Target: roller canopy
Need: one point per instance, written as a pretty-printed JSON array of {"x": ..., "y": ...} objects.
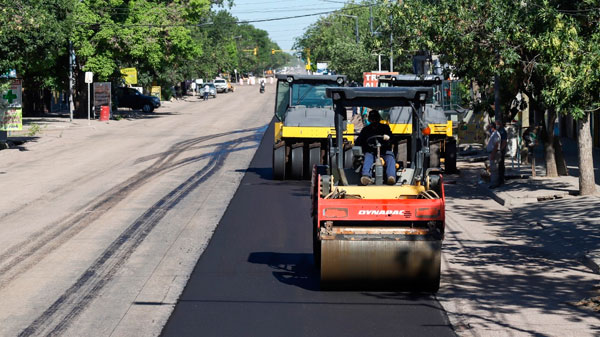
[
  {"x": 380, "y": 98},
  {"x": 408, "y": 80},
  {"x": 307, "y": 78}
]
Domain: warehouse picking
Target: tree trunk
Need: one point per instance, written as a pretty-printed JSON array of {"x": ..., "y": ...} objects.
[
  {"x": 561, "y": 164},
  {"x": 587, "y": 183},
  {"x": 551, "y": 170}
]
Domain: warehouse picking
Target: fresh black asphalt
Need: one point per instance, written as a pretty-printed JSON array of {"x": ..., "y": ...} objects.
[{"x": 257, "y": 278}]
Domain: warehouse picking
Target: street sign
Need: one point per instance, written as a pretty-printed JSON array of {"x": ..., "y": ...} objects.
[
  {"x": 89, "y": 77},
  {"x": 11, "y": 112},
  {"x": 155, "y": 91},
  {"x": 130, "y": 75},
  {"x": 370, "y": 79}
]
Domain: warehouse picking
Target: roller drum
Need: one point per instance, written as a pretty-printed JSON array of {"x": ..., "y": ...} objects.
[{"x": 391, "y": 263}]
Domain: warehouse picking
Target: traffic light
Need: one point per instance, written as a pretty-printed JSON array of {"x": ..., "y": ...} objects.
[
  {"x": 272, "y": 51},
  {"x": 255, "y": 51}
]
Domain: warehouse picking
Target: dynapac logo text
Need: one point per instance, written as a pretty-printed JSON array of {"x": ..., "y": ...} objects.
[{"x": 380, "y": 212}]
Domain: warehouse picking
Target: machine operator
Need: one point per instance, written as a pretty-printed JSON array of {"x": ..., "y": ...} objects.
[{"x": 366, "y": 140}]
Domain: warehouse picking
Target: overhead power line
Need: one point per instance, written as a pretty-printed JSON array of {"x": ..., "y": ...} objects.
[{"x": 236, "y": 22}]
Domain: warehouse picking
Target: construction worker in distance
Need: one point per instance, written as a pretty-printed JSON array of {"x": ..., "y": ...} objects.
[{"x": 366, "y": 141}]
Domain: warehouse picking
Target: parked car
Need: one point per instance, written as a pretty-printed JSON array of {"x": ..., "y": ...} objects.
[
  {"x": 221, "y": 85},
  {"x": 131, "y": 98},
  {"x": 212, "y": 90}
]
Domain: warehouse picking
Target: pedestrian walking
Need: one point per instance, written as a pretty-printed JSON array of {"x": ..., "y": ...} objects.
[
  {"x": 502, "y": 152},
  {"x": 493, "y": 149},
  {"x": 530, "y": 141},
  {"x": 206, "y": 91}
]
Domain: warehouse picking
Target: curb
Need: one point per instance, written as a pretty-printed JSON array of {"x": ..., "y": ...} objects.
[
  {"x": 504, "y": 199},
  {"x": 592, "y": 261},
  {"x": 508, "y": 201}
]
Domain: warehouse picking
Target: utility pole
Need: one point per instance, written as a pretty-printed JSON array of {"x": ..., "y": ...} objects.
[
  {"x": 497, "y": 110},
  {"x": 371, "y": 19},
  {"x": 237, "y": 49},
  {"x": 355, "y": 17},
  {"x": 391, "y": 43},
  {"x": 71, "y": 80}
]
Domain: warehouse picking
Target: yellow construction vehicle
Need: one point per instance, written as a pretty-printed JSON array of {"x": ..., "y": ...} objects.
[
  {"x": 304, "y": 124},
  {"x": 443, "y": 144}
]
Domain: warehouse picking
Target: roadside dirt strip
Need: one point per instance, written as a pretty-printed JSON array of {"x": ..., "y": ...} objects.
[{"x": 101, "y": 226}]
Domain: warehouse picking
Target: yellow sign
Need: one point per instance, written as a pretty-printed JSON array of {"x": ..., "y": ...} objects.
[
  {"x": 130, "y": 75},
  {"x": 11, "y": 119},
  {"x": 473, "y": 129},
  {"x": 155, "y": 91}
]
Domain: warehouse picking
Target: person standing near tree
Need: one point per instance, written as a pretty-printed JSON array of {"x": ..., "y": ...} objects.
[
  {"x": 493, "y": 147},
  {"x": 502, "y": 151}
]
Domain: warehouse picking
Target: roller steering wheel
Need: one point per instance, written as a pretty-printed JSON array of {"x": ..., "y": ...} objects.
[{"x": 372, "y": 141}]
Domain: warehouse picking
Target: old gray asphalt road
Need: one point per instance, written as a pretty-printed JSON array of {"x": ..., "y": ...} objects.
[
  {"x": 100, "y": 226},
  {"x": 256, "y": 277}
]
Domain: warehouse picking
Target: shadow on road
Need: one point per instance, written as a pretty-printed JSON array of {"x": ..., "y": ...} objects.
[
  {"x": 265, "y": 173},
  {"x": 295, "y": 269},
  {"x": 138, "y": 114}
]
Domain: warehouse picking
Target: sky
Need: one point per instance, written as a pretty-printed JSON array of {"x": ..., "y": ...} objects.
[{"x": 283, "y": 32}]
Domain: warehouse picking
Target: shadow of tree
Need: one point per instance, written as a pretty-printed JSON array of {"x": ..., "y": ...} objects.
[{"x": 512, "y": 262}]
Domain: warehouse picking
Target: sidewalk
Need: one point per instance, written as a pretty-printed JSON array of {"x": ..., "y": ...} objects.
[
  {"x": 554, "y": 218},
  {"x": 51, "y": 126},
  {"x": 523, "y": 269}
]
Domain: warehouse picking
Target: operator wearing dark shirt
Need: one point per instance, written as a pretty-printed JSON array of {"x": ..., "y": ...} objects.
[{"x": 370, "y": 152}]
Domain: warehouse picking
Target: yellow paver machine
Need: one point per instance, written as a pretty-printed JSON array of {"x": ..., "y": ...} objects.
[
  {"x": 442, "y": 142},
  {"x": 304, "y": 124}
]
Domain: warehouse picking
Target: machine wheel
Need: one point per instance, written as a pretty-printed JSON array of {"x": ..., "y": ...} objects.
[
  {"x": 434, "y": 154},
  {"x": 348, "y": 158},
  {"x": 297, "y": 169},
  {"x": 279, "y": 163},
  {"x": 450, "y": 156},
  {"x": 314, "y": 157},
  {"x": 402, "y": 154}
]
